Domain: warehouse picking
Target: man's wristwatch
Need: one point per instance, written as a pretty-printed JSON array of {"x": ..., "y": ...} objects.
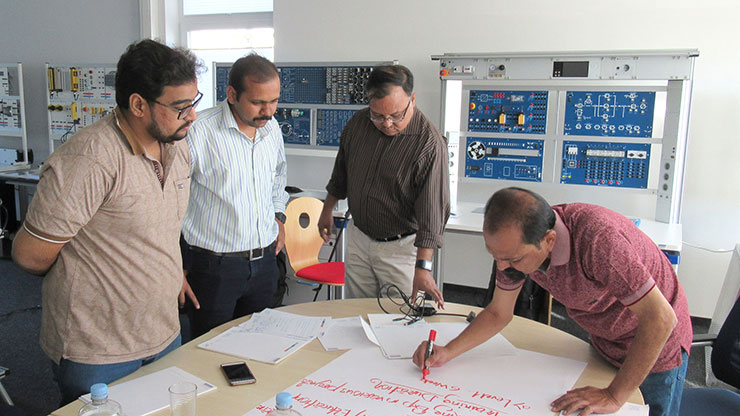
[
  {"x": 424, "y": 264},
  {"x": 280, "y": 217}
]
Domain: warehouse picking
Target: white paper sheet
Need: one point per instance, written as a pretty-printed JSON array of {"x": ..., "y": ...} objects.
[
  {"x": 523, "y": 384},
  {"x": 285, "y": 324},
  {"x": 369, "y": 332},
  {"x": 344, "y": 334},
  {"x": 148, "y": 394},
  {"x": 266, "y": 348},
  {"x": 268, "y": 336},
  {"x": 398, "y": 340}
]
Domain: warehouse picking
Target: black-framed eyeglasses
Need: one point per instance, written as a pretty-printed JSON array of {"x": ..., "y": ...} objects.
[
  {"x": 183, "y": 111},
  {"x": 382, "y": 119}
]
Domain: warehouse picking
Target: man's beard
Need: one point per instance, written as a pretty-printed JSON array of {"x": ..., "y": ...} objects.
[{"x": 154, "y": 131}]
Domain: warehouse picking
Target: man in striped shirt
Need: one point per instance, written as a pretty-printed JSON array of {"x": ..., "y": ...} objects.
[
  {"x": 392, "y": 168},
  {"x": 233, "y": 227}
]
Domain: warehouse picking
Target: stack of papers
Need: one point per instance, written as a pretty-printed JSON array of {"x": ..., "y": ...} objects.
[
  {"x": 269, "y": 336},
  {"x": 145, "y": 395}
]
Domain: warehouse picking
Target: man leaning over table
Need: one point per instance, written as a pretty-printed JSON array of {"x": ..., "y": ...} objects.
[
  {"x": 104, "y": 225},
  {"x": 614, "y": 282}
]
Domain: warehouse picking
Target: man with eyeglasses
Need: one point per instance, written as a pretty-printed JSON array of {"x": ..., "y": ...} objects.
[
  {"x": 614, "y": 282},
  {"x": 233, "y": 228},
  {"x": 104, "y": 225},
  {"x": 392, "y": 168}
]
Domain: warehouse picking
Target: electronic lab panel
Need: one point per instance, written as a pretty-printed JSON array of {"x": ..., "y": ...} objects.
[
  {"x": 573, "y": 124},
  {"x": 609, "y": 113},
  {"x": 12, "y": 119},
  {"x": 295, "y": 125},
  {"x": 504, "y": 159},
  {"x": 10, "y": 100},
  {"x": 507, "y": 111},
  {"x": 316, "y": 100},
  {"x": 324, "y": 84},
  {"x": 624, "y": 165},
  {"x": 329, "y": 125},
  {"x": 77, "y": 97},
  {"x": 564, "y": 66}
]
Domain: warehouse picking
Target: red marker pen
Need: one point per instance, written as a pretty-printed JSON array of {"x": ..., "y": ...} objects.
[{"x": 430, "y": 345}]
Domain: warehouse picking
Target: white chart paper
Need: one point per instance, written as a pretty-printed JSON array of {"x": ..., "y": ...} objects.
[{"x": 523, "y": 384}]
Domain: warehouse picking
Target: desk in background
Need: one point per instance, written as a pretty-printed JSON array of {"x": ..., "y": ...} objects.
[
  {"x": 465, "y": 261},
  {"x": 271, "y": 379}
]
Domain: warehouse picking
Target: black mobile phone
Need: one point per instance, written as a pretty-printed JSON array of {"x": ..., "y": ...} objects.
[{"x": 238, "y": 373}]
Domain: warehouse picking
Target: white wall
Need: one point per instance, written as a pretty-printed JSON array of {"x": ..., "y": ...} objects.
[
  {"x": 412, "y": 30},
  {"x": 64, "y": 32}
]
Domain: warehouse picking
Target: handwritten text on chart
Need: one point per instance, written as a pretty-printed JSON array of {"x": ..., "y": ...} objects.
[{"x": 415, "y": 400}]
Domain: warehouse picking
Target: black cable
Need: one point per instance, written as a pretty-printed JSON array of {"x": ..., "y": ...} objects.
[
  {"x": 412, "y": 310},
  {"x": 416, "y": 310},
  {"x": 63, "y": 139}
]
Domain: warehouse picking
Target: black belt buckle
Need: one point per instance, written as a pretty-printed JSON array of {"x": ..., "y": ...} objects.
[{"x": 256, "y": 254}]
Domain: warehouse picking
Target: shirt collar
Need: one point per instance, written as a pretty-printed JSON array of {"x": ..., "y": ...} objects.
[
  {"x": 561, "y": 250},
  {"x": 128, "y": 132}
]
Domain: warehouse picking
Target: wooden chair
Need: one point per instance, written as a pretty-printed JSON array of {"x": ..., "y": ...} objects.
[{"x": 303, "y": 242}]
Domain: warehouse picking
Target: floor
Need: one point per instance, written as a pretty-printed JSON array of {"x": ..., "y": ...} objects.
[{"x": 29, "y": 381}]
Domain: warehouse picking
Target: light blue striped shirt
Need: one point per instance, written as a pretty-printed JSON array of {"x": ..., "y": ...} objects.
[{"x": 236, "y": 186}]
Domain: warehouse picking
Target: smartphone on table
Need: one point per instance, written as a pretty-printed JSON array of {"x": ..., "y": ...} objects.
[{"x": 238, "y": 373}]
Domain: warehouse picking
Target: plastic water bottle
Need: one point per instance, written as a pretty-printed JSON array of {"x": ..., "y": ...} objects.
[
  {"x": 284, "y": 405},
  {"x": 100, "y": 405}
]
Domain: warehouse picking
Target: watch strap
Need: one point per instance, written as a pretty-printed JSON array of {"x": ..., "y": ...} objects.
[{"x": 424, "y": 264}]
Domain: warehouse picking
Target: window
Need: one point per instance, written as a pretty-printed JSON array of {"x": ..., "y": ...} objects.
[{"x": 224, "y": 31}]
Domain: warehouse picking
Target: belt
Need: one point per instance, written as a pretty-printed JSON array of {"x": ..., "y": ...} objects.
[
  {"x": 251, "y": 255},
  {"x": 396, "y": 237}
]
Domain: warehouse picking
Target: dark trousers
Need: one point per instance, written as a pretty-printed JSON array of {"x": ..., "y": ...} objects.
[{"x": 228, "y": 287}]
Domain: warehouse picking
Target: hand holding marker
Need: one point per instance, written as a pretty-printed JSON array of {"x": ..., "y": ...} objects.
[{"x": 430, "y": 345}]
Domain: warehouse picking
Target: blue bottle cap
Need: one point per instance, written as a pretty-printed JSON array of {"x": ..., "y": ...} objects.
[
  {"x": 284, "y": 400},
  {"x": 98, "y": 391}
]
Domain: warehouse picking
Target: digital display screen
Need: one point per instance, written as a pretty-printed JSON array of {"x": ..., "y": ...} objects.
[{"x": 570, "y": 69}]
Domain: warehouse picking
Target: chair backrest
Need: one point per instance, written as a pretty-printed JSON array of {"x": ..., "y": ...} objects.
[
  {"x": 303, "y": 243},
  {"x": 726, "y": 350},
  {"x": 729, "y": 293}
]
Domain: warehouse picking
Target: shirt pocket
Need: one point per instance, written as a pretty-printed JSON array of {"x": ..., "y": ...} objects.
[{"x": 182, "y": 194}]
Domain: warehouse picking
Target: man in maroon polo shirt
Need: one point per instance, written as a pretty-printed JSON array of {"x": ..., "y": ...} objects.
[{"x": 614, "y": 282}]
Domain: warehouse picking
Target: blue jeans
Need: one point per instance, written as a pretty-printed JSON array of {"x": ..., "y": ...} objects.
[
  {"x": 74, "y": 379},
  {"x": 663, "y": 391}
]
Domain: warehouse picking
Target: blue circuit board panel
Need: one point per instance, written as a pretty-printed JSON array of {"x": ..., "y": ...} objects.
[
  {"x": 324, "y": 84},
  {"x": 609, "y": 113},
  {"x": 507, "y": 111},
  {"x": 508, "y": 159},
  {"x": 295, "y": 124},
  {"x": 222, "y": 81},
  {"x": 329, "y": 125},
  {"x": 623, "y": 165}
]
